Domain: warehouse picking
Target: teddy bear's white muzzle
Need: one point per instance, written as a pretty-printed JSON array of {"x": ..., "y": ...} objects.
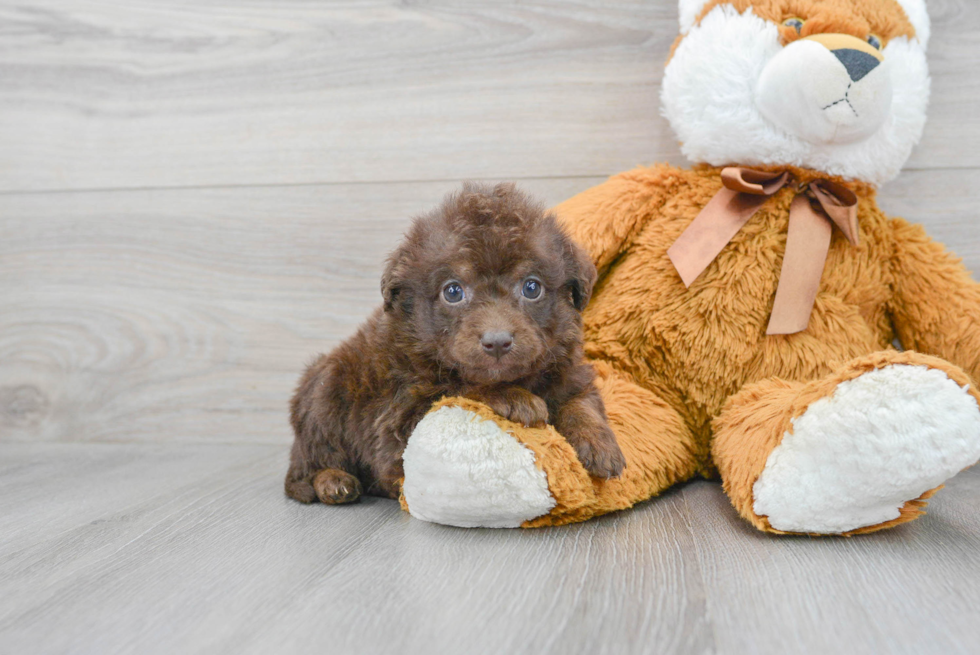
[{"x": 824, "y": 95}]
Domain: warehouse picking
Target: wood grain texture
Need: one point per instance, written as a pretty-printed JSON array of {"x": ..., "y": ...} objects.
[
  {"x": 163, "y": 93},
  {"x": 225, "y": 563},
  {"x": 189, "y": 314},
  {"x": 158, "y": 315},
  {"x": 905, "y": 590},
  {"x": 170, "y": 548}
]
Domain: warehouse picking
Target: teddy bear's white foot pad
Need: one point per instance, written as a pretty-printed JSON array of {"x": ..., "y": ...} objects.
[
  {"x": 463, "y": 470},
  {"x": 855, "y": 458}
]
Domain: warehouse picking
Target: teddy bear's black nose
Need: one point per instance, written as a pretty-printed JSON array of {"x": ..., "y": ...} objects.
[
  {"x": 857, "y": 63},
  {"x": 497, "y": 343}
]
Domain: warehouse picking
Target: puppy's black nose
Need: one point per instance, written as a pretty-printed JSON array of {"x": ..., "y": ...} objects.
[{"x": 497, "y": 343}]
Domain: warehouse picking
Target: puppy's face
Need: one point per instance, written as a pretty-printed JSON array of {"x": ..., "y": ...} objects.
[{"x": 489, "y": 286}]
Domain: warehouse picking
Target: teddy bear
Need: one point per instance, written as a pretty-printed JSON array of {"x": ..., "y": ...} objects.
[{"x": 757, "y": 317}]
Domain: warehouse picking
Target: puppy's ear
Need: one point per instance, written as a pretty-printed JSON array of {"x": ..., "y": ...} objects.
[
  {"x": 394, "y": 283},
  {"x": 580, "y": 272}
]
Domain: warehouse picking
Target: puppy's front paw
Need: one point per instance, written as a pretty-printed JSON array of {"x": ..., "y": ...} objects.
[
  {"x": 519, "y": 406},
  {"x": 515, "y": 404},
  {"x": 336, "y": 487},
  {"x": 599, "y": 453}
]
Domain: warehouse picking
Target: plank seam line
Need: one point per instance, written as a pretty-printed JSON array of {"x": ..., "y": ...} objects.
[
  {"x": 276, "y": 185},
  {"x": 287, "y": 185}
]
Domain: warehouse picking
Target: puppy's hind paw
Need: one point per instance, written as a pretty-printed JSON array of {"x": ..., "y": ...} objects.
[{"x": 336, "y": 487}]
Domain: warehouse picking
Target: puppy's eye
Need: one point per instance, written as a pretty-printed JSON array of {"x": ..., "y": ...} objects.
[
  {"x": 453, "y": 292},
  {"x": 532, "y": 289},
  {"x": 795, "y": 23},
  {"x": 875, "y": 41}
]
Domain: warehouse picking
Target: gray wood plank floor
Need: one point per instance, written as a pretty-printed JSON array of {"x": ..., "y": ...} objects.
[
  {"x": 196, "y": 197},
  {"x": 166, "y": 548}
]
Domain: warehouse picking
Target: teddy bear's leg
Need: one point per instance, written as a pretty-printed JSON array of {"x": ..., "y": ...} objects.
[
  {"x": 467, "y": 467},
  {"x": 857, "y": 451}
]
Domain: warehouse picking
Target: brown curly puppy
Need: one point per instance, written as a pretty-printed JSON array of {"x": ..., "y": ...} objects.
[{"x": 483, "y": 299}]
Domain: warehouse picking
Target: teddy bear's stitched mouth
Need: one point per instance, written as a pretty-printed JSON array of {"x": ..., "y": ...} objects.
[{"x": 846, "y": 99}]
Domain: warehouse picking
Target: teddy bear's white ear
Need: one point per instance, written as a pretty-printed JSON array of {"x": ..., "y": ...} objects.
[
  {"x": 688, "y": 11},
  {"x": 919, "y": 17}
]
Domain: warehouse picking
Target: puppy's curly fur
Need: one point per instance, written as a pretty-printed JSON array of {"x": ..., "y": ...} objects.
[{"x": 483, "y": 299}]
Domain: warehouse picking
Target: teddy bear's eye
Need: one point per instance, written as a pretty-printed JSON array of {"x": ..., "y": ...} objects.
[
  {"x": 874, "y": 41},
  {"x": 795, "y": 23}
]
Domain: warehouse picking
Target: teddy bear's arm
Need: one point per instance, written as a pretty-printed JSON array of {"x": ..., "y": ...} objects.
[
  {"x": 936, "y": 304},
  {"x": 606, "y": 218}
]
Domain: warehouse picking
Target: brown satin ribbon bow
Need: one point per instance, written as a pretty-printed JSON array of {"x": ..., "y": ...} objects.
[{"x": 818, "y": 206}]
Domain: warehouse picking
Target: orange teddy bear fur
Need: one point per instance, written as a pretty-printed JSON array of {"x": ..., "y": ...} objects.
[{"x": 691, "y": 381}]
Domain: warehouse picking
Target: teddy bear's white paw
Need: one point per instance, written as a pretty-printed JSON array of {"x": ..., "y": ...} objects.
[
  {"x": 463, "y": 470},
  {"x": 854, "y": 458}
]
